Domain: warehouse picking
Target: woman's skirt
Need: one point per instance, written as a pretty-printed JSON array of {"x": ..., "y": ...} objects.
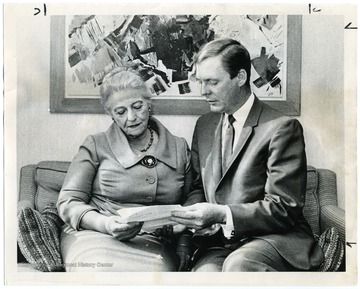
[{"x": 88, "y": 250}]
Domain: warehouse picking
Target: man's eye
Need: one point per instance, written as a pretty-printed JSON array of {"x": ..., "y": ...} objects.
[
  {"x": 213, "y": 82},
  {"x": 120, "y": 112}
]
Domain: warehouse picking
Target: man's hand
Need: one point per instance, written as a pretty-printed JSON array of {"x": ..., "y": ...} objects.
[
  {"x": 200, "y": 216},
  {"x": 179, "y": 229}
]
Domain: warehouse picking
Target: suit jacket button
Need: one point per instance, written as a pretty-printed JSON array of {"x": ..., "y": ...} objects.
[
  {"x": 151, "y": 180},
  {"x": 149, "y": 199}
]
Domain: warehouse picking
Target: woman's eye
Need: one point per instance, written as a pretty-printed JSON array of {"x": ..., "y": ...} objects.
[
  {"x": 120, "y": 112},
  {"x": 213, "y": 82},
  {"x": 138, "y": 106}
]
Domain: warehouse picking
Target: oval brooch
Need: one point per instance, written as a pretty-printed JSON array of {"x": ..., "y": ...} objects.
[{"x": 149, "y": 161}]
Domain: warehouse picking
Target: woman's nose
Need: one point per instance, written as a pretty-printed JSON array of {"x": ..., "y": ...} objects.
[{"x": 131, "y": 115}]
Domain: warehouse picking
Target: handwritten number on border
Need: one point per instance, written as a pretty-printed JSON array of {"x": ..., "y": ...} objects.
[
  {"x": 349, "y": 26},
  {"x": 311, "y": 10},
  {"x": 38, "y": 10}
]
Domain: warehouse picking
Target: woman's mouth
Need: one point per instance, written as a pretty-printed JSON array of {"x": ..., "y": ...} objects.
[{"x": 134, "y": 125}]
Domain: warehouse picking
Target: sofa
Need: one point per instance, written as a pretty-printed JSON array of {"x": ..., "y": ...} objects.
[{"x": 40, "y": 185}]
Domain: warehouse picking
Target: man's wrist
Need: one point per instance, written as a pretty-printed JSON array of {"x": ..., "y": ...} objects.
[{"x": 222, "y": 214}]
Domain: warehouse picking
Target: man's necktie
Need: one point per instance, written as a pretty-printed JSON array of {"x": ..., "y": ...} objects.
[{"x": 228, "y": 142}]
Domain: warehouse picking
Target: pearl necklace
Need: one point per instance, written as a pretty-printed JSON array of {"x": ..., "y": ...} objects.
[{"x": 150, "y": 141}]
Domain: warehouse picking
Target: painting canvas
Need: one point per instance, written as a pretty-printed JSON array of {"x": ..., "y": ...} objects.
[{"x": 163, "y": 48}]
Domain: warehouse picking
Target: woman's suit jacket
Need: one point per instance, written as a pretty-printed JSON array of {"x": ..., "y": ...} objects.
[
  {"x": 106, "y": 174},
  {"x": 264, "y": 184}
]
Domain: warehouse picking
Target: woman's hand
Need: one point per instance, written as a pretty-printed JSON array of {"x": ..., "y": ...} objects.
[{"x": 121, "y": 231}]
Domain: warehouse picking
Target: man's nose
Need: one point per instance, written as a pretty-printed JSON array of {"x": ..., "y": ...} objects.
[{"x": 203, "y": 89}]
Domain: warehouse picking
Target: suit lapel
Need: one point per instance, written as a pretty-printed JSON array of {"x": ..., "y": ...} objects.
[
  {"x": 251, "y": 121},
  {"x": 213, "y": 171}
]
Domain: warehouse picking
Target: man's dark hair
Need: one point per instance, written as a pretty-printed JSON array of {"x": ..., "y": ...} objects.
[{"x": 234, "y": 56}]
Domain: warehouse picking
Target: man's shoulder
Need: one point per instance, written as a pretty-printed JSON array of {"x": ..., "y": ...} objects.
[
  {"x": 269, "y": 113},
  {"x": 210, "y": 118},
  {"x": 272, "y": 120}
]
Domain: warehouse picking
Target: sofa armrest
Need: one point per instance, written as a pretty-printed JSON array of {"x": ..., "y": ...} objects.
[
  {"x": 333, "y": 216},
  {"x": 327, "y": 188},
  {"x": 27, "y": 189}
]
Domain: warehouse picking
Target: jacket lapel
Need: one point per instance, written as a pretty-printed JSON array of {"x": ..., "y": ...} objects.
[
  {"x": 120, "y": 147},
  {"x": 251, "y": 121},
  {"x": 166, "y": 147},
  {"x": 165, "y": 150},
  {"x": 213, "y": 169}
]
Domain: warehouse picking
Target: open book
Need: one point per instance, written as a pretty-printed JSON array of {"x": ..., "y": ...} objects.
[{"x": 153, "y": 216}]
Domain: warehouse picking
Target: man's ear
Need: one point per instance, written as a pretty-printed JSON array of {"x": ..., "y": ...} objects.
[{"x": 242, "y": 77}]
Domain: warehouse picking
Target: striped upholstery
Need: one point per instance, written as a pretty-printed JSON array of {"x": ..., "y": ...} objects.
[
  {"x": 40, "y": 184},
  {"x": 39, "y": 238},
  {"x": 333, "y": 216},
  {"x": 330, "y": 214},
  {"x": 49, "y": 179},
  {"x": 333, "y": 249},
  {"x": 311, "y": 208},
  {"x": 327, "y": 183},
  {"x": 28, "y": 187}
]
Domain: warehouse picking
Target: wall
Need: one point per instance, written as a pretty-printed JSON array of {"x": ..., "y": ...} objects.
[
  {"x": 45, "y": 136},
  {"x": 322, "y": 95}
]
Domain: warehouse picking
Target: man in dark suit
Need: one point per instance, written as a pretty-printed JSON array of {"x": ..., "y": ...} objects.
[{"x": 249, "y": 160}]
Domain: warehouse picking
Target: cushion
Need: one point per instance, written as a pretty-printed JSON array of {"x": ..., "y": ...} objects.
[
  {"x": 311, "y": 208},
  {"x": 39, "y": 238},
  {"x": 333, "y": 249},
  {"x": 49, "y": 179}
]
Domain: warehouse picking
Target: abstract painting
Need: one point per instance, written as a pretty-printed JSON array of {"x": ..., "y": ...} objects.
[{"x": 162, "y": 48}]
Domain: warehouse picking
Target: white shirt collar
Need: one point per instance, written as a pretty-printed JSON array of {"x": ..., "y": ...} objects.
[{"x": 242, "y": 113}]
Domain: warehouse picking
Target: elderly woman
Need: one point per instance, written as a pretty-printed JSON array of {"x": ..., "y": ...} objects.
[{"x": 136, "y": 161}]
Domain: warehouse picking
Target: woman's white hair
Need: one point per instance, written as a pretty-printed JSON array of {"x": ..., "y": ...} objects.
[{"x": 119, "y": 79}]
